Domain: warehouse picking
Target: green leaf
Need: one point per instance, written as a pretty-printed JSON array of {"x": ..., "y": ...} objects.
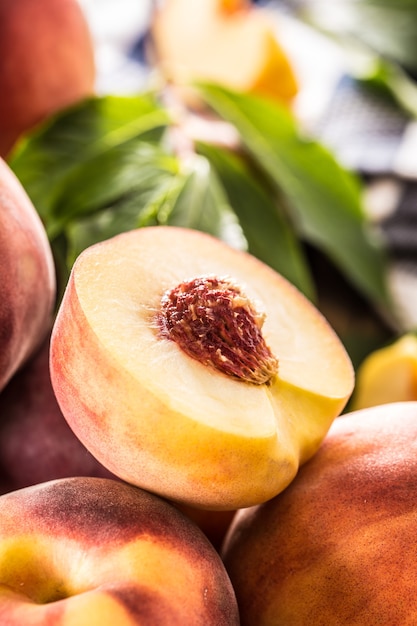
[
  {"x": 202, "y": 204},
  {"x": 100, "y": 168},
  {"x": 112, "y": 194},
  {"x": 378, "y": 39},
  {"x": 265, "y": 224},
  {"x": 388, "y": 27},
  {"x": 324, "y": 199},
  {"x": 391, "y": 80},
  {"x": 111, "y": 179},
  {"x": 46, "y": 159},
  {"x": 191, "y": 198}
]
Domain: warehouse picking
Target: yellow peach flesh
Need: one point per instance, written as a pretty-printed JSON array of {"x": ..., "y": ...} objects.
[
  {"x": 233, "y": 43},
  {"x": 296, "y": 339},
  {"x": 172, "y": 423},
  {"x": 389, "y": 374}
]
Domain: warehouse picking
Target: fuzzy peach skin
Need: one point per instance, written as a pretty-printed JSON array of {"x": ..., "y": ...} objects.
[
  {"x": 97, "y": 552},
  {"x": 47, "y": 63},
  {"x": 27, "y": 276},
  {"x": 159, "y": 418},
  {"x": 36, "y": 443},
  {"x": 338, "y": 546}
]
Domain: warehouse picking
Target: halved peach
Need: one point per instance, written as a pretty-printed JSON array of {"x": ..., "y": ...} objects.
[
  {"x": 388, "y": 374},
  {"x": 194, "y": 370},
  {"x": 231, "y": 42}
]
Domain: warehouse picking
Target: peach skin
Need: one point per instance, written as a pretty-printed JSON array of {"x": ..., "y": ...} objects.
[{"x": 98, "y": 552}]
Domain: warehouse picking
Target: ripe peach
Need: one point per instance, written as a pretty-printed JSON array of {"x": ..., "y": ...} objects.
[
  {"x": 36, "y": 443},
  {"x": 194, "y": 410},
  {"x": 98, "y": 552},
  {"x": 27, "y": 277},
  {"x": 338, "y": 546},
  {"x": 47, "y": 63},
  {"x": 233, "y": 43}
]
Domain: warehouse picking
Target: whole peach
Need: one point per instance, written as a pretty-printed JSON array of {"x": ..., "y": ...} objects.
[
  {"x": 47, "y": 63},
  {"x": 36, "y": 443},
  {"x": 27, "y": 276},
  {"x": 98, "y": 552},
  {"x": 338, "y": 546}
]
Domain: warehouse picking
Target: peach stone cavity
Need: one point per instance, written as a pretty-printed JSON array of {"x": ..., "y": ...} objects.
[{"x": 214, "y": 322}]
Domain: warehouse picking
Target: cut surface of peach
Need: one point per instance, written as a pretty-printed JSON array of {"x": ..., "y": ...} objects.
[
  {"x": 388, "y": 374},
  {"x": 233, "y": 43},
  {"x": 161, "y": 419}
]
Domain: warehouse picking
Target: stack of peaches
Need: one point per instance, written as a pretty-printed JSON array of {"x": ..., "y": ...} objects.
[{"x": 172, "y": 438}]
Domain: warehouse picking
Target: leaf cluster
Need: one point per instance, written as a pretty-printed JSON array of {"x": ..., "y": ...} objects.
[{"x": 109, "y": 165}]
